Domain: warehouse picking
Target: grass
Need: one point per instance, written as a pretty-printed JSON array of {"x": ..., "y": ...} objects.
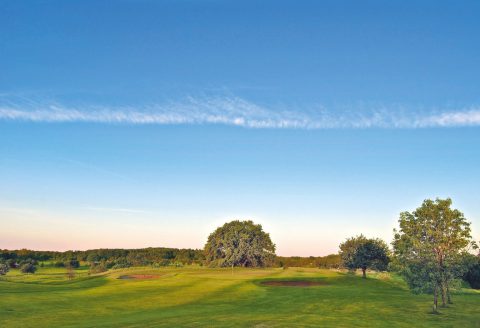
[{"x": 196, "y": 296}]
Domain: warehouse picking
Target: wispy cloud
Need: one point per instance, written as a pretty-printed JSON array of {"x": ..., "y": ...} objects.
[
  {"x": 236, "y": 111},
  {"x": 468, "y": 117}
]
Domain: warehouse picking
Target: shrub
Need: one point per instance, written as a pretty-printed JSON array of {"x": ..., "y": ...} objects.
[
  {"x": 121, "y": 265},
  {"x": 3, "y": 269},
  {"x": 98, "y": 267},
  {"x": 472, "y": 276},
  {"x": 28, "y": 268},
  {"x": 12, "y": 263}
]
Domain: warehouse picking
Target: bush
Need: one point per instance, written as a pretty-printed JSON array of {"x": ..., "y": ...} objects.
[
  {"x": 28, "y": 268},
  {"x": 473, "y": 276},
  {"x": 12, "y": 263},
  {"x": 98, "y": 267},
  {"x": 59, "y": 264},
  {"x": 121, "y": 265},
  {"x": 3, "y": 269}
]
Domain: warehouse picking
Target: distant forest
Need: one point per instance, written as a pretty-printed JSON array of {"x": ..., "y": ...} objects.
[{"x": 104, "y": 259}]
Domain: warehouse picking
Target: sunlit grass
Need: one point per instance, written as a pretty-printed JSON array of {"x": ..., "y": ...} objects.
[{"x": 199, "y": 296}]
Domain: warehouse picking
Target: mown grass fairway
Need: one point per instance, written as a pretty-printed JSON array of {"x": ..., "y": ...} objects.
[{"x": 196, "y": 296}]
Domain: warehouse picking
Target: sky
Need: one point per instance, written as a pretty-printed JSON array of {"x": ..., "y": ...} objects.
[{"x": 149, "y": 123}]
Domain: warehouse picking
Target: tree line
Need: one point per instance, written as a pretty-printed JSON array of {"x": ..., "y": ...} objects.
[
  {"x": 332, "y": 261},
  {"x": 103, "y": 259}
]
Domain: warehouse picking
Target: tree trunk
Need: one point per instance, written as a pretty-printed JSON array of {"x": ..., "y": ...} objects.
[
  {"x": 443, "y": 293},
  {"x": 435, "y": 299},
  {"x": 447, "y": 289},
  {"x": 449, "y": 298},
  {"x": 364, "y": 273},
  {"x": 443, "y": 281}
]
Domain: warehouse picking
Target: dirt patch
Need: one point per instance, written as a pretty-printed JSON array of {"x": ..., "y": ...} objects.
[
  {"x": 292, "y": 283},
  {"x": 140, "y": 276}
]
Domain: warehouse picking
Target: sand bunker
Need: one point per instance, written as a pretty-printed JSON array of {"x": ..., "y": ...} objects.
[
  {"x": 140, "y": 276},
  {"x": 292, "y": 283}
]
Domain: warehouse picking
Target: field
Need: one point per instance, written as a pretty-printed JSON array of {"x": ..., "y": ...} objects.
[{"x": 197, "y": 296}]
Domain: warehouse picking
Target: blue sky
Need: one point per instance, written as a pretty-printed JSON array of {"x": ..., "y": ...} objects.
[{"x": 149, "y": 123}]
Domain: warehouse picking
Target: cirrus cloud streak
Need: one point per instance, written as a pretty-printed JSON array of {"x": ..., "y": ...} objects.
[{"x": 236, "y": 111}]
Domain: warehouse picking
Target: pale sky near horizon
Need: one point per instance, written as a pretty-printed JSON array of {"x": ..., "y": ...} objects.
[{"x": 149, "y": 123}]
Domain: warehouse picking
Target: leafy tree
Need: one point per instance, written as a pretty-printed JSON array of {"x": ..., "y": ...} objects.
[
  {"x": 4, "y": 269},
  {"x": 348, "y": 250},
  {"x": 362, "y": 253},
  {"x": 71, "y": 265},
  {"x": 240, "y": 243},
  {"x": 429, "y": 247},
  {"x": 28, "y": 268},
  {"x": 70, "y": 272}
]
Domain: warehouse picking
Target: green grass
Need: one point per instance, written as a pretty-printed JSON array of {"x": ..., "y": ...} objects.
[{"x": 196, "y": 296}]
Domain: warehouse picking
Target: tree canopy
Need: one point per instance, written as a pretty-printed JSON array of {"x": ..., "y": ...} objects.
[
  {"x": 362, "y": 253},
  {"x": 240, "y": 243},
  {"x": 429, "y": 246}
]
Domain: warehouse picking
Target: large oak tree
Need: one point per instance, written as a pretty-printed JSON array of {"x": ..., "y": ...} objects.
[{"x": 240, "y": 243}]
